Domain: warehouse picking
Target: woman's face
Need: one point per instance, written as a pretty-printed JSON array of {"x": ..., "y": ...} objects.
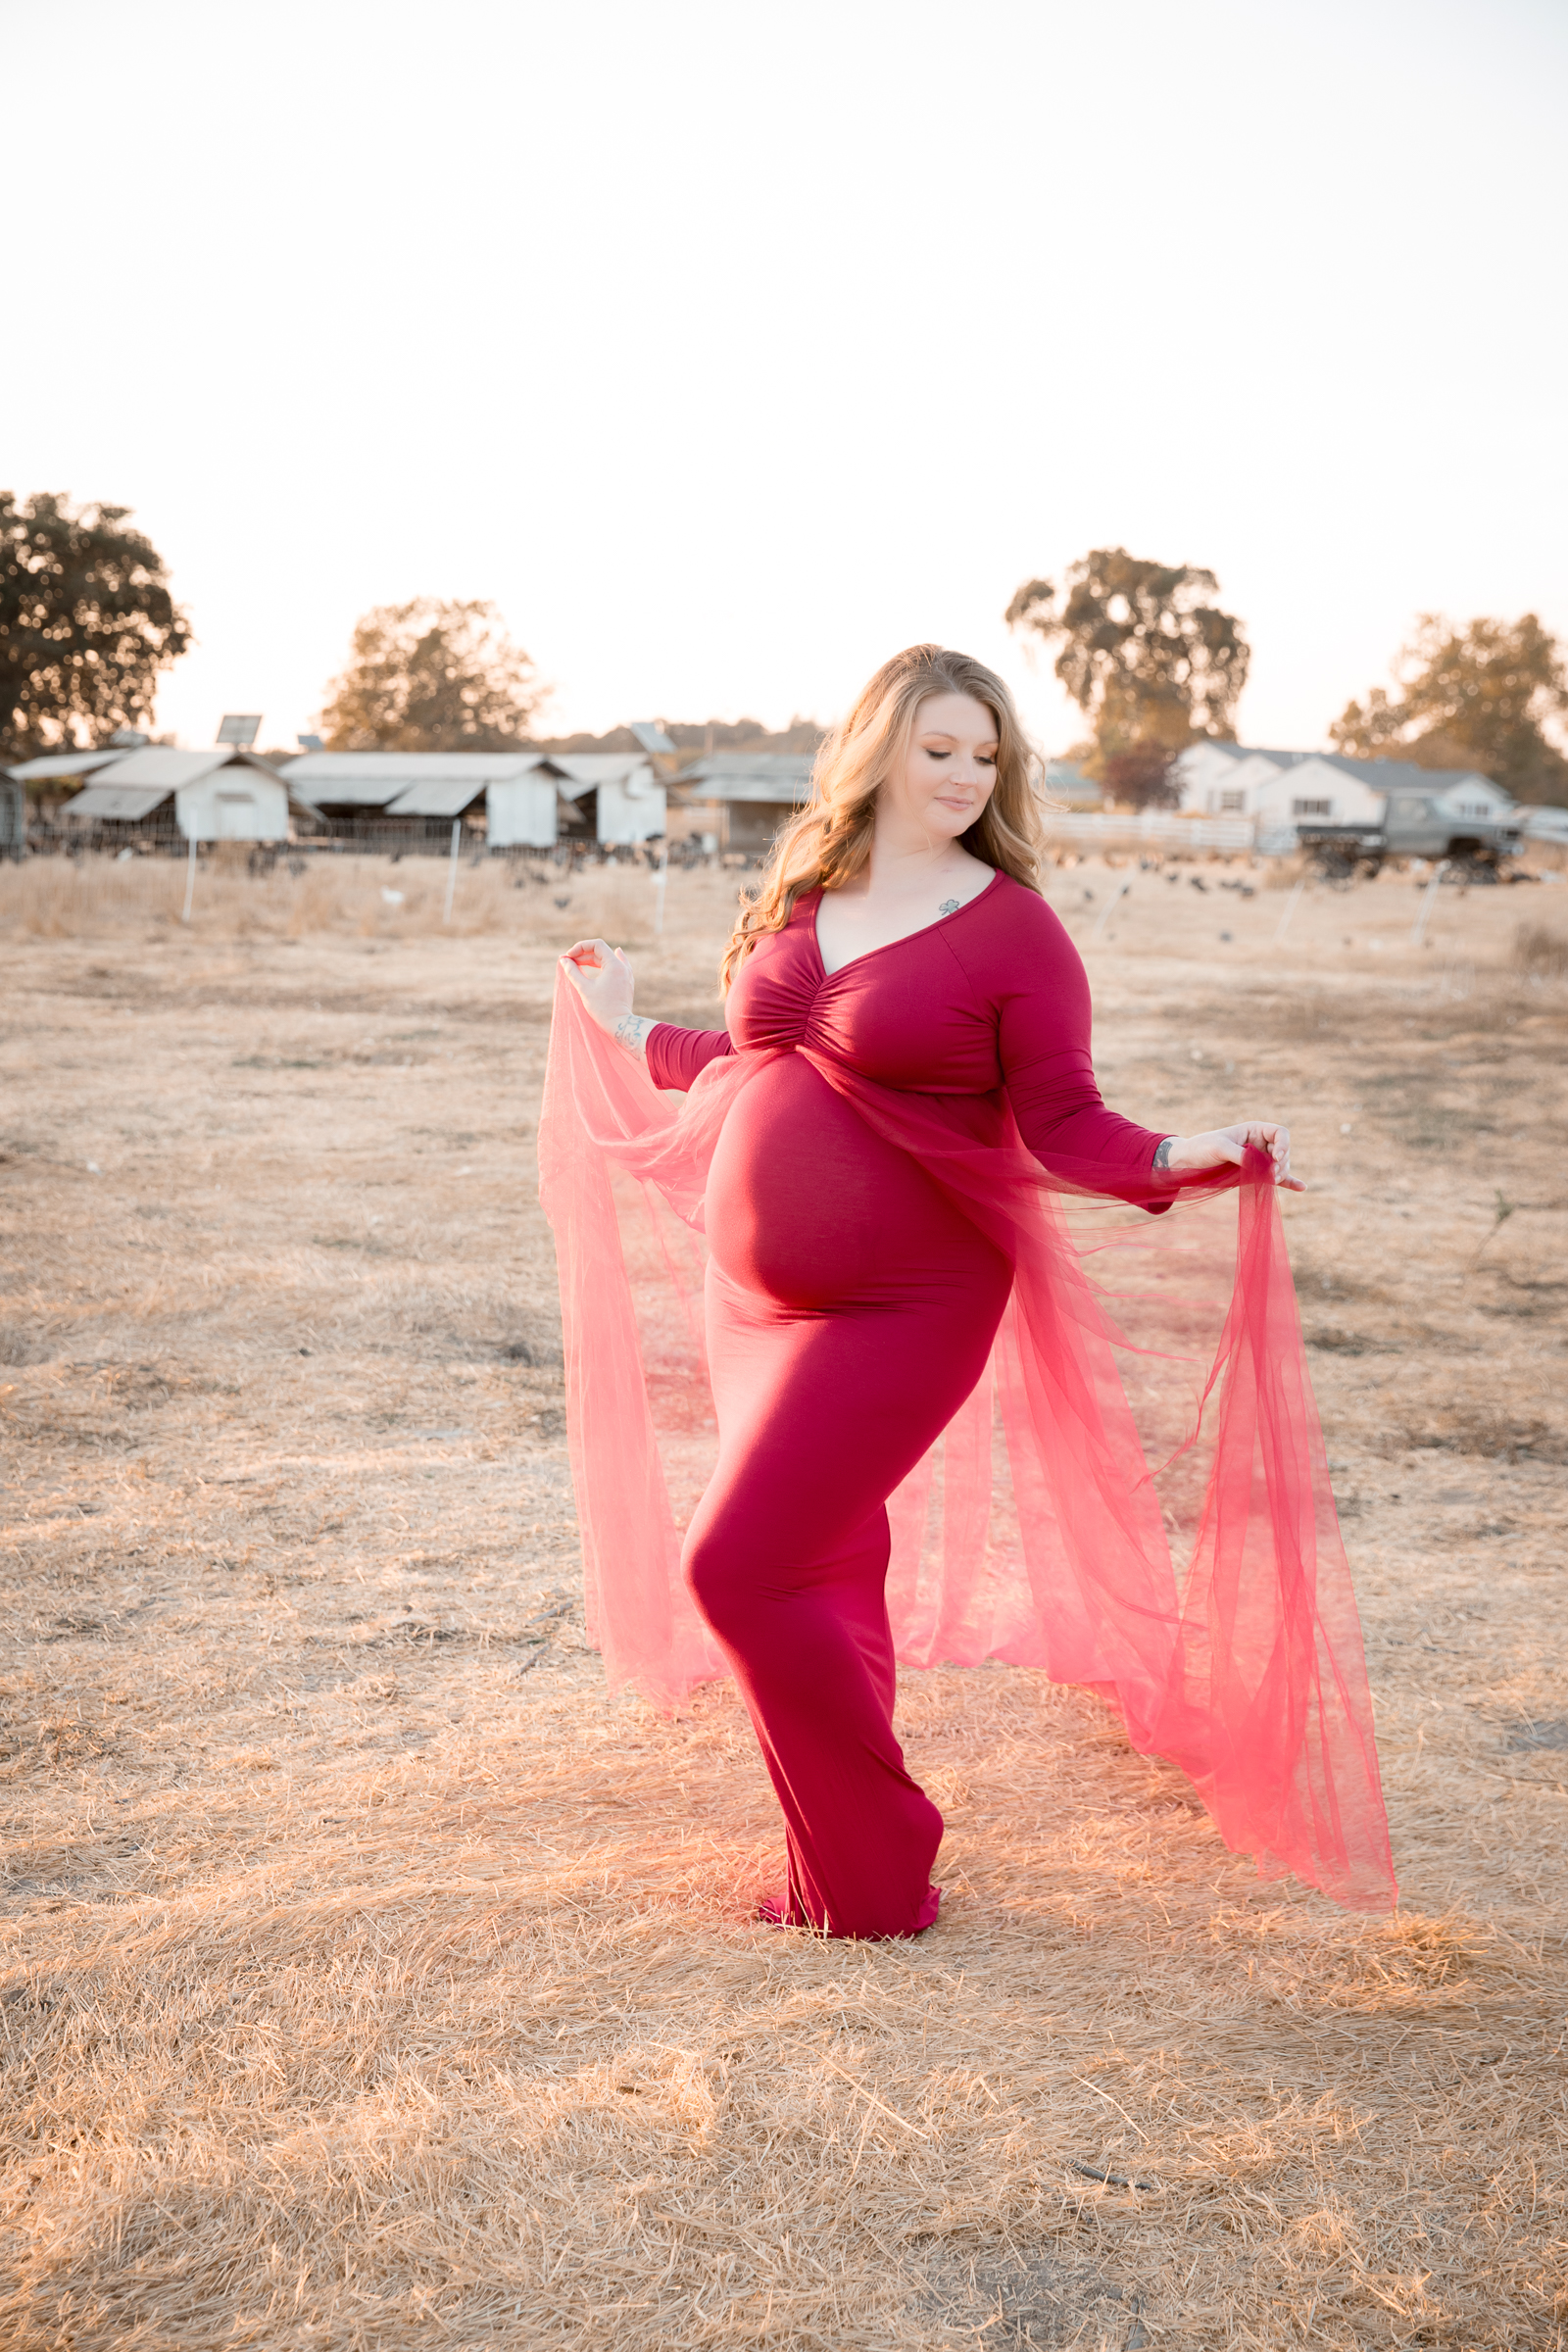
[{"x": 951, "y": 768}]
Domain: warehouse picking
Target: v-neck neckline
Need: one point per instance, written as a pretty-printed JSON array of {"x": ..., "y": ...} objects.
[{"x": 865, "y": 955}]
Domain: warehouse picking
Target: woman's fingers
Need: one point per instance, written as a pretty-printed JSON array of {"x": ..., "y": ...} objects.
[
  {"x": 1268, "y": 1135},
  {"x": 594, "y": 954}
]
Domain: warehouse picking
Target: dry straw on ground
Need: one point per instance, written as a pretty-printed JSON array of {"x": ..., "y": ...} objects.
[{"x": 369, "y": 1979}]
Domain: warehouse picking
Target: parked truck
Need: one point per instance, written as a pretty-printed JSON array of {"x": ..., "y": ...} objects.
[{"x": 1474, "y": 848}]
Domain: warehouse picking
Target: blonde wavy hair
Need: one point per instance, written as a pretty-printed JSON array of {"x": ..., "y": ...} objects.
[{"x": 829, "y": 841}]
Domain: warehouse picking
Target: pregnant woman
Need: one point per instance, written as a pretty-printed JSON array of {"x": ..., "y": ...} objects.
[{"x": 904, "y": 1079}]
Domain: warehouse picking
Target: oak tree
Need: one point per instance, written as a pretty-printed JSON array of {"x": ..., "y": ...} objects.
[
  {"x": 1475, "y": 697},
  {"x": 432, "y": 676},
  {"x": 1145, "y": 651},
  {"x": 88, "y": 623}
]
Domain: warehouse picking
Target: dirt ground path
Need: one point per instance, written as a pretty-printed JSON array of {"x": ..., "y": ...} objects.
[{"x": 369, "y": 1978}]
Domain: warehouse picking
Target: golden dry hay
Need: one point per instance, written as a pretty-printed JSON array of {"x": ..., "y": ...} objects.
[{"x": 368, "y": 1979}]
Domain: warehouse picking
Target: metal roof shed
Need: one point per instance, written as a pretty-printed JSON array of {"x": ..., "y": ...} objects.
[
  {"x": 609, "y": 796},
  {"x": 64, "y": 764},
  {"x": 353, "y": 783},
  {"x": 751, "y": 793},
  {"x": 524, "y": 808},
  {"x": 512, "y": 793},
  {"x": 221, "y": 795},
  {"x": 465, "y": 784}
]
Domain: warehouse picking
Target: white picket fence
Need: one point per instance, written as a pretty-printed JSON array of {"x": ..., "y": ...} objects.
[{"x": 1159, "y": 825}]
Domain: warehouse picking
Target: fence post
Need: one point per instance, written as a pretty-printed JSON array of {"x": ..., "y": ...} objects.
[
  {"x": 1290, "y": 904},
  {"x": 1425, "y": 908},
  {"x": 452, "y": 866},
  {"x": 1103, "y": 917},
  {"x": 190, "y": 880}
]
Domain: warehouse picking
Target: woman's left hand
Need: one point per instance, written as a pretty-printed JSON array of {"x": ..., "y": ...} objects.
[{"x": 1225, "y": 1147}]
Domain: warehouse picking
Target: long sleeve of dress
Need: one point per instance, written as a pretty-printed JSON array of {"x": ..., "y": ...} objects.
[
  {"x": 1042, "y": 1039},
  {"x": 677, "y": 1055}
]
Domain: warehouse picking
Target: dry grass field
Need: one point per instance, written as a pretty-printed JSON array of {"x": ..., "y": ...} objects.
[{"x": 370, "y": 1979}]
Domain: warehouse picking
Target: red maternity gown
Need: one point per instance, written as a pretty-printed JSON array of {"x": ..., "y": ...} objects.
[{"x": 870, "y": 1154}]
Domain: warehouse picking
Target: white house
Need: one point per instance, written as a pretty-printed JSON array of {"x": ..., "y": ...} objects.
[
  {"x": 1318, "y": 788},
  {"x": 1326, "y": 788},
  {"x": 221, "y": 795},
  {"x": 1221, "y": 779}
]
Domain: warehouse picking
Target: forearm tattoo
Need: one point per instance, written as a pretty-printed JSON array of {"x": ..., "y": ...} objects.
[
  {"x": 631, "y": 1033},
  {"x": 1162, "y": 1158}
]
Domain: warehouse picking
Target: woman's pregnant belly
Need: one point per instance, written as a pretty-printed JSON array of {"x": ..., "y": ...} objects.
[{"x": 809, "y": 1207}]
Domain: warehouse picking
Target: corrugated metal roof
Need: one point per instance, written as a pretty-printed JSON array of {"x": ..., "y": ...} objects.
[
  {"x": 651, "y": 735},
  {"x": 752, "y": 764},
  {"x": 127, "y": 804},
  {"x": 438, "y": 796},
  {"x": 161, "y": 764},
  {"x": 375, "y": 779},
  {"x": 63, "y": 763},
  {"x": 411, "y": 767},
  {"x": 775, "y": 776},
  {"x": 586, "y": 768}
]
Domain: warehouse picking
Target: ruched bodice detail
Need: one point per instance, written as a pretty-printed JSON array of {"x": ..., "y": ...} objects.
[
  {"x": 881, "y": 1014},
  {"x": 993, "y": 996}
]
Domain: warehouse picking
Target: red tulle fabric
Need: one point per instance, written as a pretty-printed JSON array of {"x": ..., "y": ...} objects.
[{"x": 1135, "y": 1496}]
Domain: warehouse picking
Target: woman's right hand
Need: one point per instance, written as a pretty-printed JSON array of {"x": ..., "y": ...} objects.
[{"x": 602, "y": 978}]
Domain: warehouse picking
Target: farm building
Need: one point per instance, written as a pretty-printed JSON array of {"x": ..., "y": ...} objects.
[
  {"x": 13, "y": 815},
  {"x": 55, "y": 776},
  {"x": 609, "y": 797},
  {"x": 523, "y": 811},
  {"x": 354, "y": 790},
  {"x": 160, "y": 794},
  {"x": 408, "y": 798},
  {"x": 742, "y": 798},
  {"x": 518, "y": 798}
]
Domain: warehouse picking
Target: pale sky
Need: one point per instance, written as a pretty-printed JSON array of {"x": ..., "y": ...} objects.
[{"x": 729, "y": 348}]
